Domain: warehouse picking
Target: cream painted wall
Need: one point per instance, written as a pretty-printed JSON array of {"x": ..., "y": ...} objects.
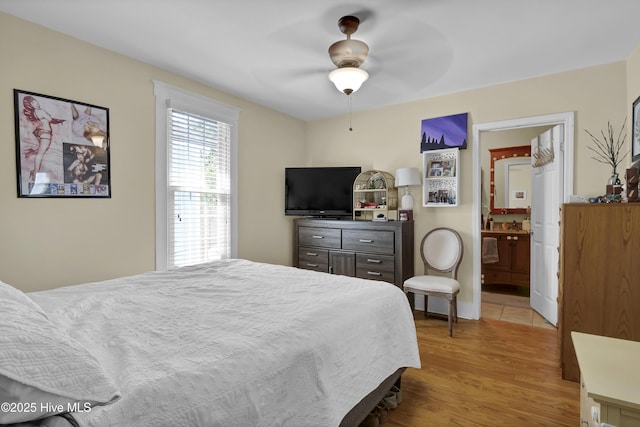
[
  {"x": 46, "y": 243},
  {"x": 388, "y": 138},
  {"x": 633, "y": 88}
]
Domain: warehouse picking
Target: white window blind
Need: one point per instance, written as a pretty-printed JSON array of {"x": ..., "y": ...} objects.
[
  {"x": 199, "y": 189},
  {"x": 196, "y": 178}
]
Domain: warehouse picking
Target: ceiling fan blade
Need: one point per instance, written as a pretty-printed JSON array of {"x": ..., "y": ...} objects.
[
  {"x": 365, "y": 15},
  {"x": 415, "y": 47},
  {"x": 292, "y": 74}
]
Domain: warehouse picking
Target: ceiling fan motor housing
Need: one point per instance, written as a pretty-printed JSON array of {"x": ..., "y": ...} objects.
[{"x": 349, "y": 52}]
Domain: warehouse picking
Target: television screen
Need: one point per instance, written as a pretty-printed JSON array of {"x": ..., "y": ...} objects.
[{"x": 320, "y": 191}]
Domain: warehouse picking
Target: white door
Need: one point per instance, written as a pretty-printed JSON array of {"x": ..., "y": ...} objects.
[{"x": 547, "y": 185}]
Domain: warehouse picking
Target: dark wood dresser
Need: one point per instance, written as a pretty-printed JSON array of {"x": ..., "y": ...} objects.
[
  {"x": 599, "y": 275},
  {"x": 364, "y": 249}
]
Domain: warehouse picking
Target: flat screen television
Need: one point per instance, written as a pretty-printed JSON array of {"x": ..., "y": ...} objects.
[{"x": 320, "y": 191}]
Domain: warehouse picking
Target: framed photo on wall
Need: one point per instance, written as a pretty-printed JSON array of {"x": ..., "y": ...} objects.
[
  {"x": 435, "y": 168},
  {"x": 62, "y": 147},
  {"x": 635, "y": 136},
  {"x": 519, "y": 195}
]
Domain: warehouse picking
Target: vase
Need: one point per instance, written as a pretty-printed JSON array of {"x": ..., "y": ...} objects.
[
  {"x": 614, "y": 187},
  {"x": 614, "y": 179}
]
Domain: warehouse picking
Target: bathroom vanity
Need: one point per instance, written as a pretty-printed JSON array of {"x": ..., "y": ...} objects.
[{"x": 514, "y": 259}]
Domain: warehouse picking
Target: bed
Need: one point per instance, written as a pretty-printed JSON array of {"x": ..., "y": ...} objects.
[{"x": 227, "y": 343}]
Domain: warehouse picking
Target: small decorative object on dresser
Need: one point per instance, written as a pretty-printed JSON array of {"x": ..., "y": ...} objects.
[
  {"x": 608, "y": 150},
  {"x": 632, "y": 185},
  {"x": 406, "y": 215}
]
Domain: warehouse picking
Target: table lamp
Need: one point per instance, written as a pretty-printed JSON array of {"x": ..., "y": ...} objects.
[{"x": 406, "y": 177}]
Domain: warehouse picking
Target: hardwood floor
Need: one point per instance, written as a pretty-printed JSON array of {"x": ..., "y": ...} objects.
[{"x": 491, "y": 373}]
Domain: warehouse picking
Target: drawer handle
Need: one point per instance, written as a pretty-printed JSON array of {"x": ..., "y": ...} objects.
[
  {"x": 515, "y": 237},
  {"x": 317, "y": 237},
  {"x": 311, "y": 265},
  {"x": 374, "y": 273},
  {"x": 312, "y": 254},
  {"x": 366, "y": 241},
  {"x": 374, "y": 261},
  {"x": 508, "y": 237}
]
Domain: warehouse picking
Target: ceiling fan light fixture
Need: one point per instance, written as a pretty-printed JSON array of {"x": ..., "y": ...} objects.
[{"x": 348, "y": 79}]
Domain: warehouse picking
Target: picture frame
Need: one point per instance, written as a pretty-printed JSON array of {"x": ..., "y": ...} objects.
[
  {"x": 635, "y": 134},
  {"x": 519, "y": 195},
  {"x": 62, "y": 147},
  {"x": 444, "y": 132},
  {"x": 449, "y": 168},
  {"x": 441, "y": 168},
  {"x": 435, "y": 172},
  {"x": 435, "y": 169}
]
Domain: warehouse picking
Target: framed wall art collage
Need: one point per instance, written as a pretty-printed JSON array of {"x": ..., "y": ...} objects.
[{"x": 62, "y": 147}]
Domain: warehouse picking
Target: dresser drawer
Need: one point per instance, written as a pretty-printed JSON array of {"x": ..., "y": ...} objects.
[
  {"x": 364, "y": 249},
  {"x": 368, "y": 241},
  {"x": 313, "y": 259},
  {"x": 376, "y": 267},
  {"x": 321, "y": 237}
]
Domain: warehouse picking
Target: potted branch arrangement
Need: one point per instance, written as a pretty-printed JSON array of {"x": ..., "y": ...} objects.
[{"x": 609, "y": 150}]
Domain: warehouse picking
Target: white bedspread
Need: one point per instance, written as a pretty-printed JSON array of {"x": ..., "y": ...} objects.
[{"x": 237, "y": 343}]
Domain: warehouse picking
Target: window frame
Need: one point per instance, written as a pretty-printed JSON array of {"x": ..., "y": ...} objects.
[{"x": 168, "y": 96}]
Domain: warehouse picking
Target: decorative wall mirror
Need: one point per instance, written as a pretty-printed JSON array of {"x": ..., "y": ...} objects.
[{"x": 510, "y": 180}]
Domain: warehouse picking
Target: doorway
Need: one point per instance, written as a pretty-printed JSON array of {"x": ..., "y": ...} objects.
[
  {"x": 565, "y": 184},
  {"x": 507, "y": 198}
]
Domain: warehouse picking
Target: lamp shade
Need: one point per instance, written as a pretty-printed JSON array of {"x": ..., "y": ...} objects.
[
  {"x": 348, "y": 79},
  {"x": 407, "y": 176}
]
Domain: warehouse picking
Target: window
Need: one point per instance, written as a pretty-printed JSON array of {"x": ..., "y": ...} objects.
[{"x": 195, "y": 179}]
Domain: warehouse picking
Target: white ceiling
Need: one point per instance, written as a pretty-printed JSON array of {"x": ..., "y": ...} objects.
[{"x": 275, "y": 52}]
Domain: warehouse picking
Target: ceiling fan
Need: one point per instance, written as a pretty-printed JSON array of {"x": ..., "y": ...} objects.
[{"x": 348, "y": 55}]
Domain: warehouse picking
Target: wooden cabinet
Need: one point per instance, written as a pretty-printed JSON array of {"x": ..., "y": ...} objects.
[
  {"x": 514, "y": 254},
  {"x": 599, "y": 289},
  {"x": 369, "y": 250}
]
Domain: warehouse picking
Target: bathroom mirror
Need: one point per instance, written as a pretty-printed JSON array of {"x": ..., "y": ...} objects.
[{"x": 510, "y": 180}]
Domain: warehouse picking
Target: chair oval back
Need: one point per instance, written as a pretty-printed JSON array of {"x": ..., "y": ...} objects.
[{"x": 441, "y": 250}]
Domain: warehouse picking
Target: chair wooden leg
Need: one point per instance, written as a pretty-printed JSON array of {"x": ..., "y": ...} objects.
[
  {"x": 426, "y": 306},
  {"x": 455, "y": 309},
  {"x": 451, "y": 314}
]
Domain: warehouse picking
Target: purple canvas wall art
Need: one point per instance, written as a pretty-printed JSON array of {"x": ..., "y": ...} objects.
[{"x": 444, "y": 132}]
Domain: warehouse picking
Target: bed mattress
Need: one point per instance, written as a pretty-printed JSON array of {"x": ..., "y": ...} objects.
[{"x": 236, "y": 343}]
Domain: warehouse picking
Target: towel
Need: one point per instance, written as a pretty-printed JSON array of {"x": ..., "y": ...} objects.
[{"x": 490, "y": 250}]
